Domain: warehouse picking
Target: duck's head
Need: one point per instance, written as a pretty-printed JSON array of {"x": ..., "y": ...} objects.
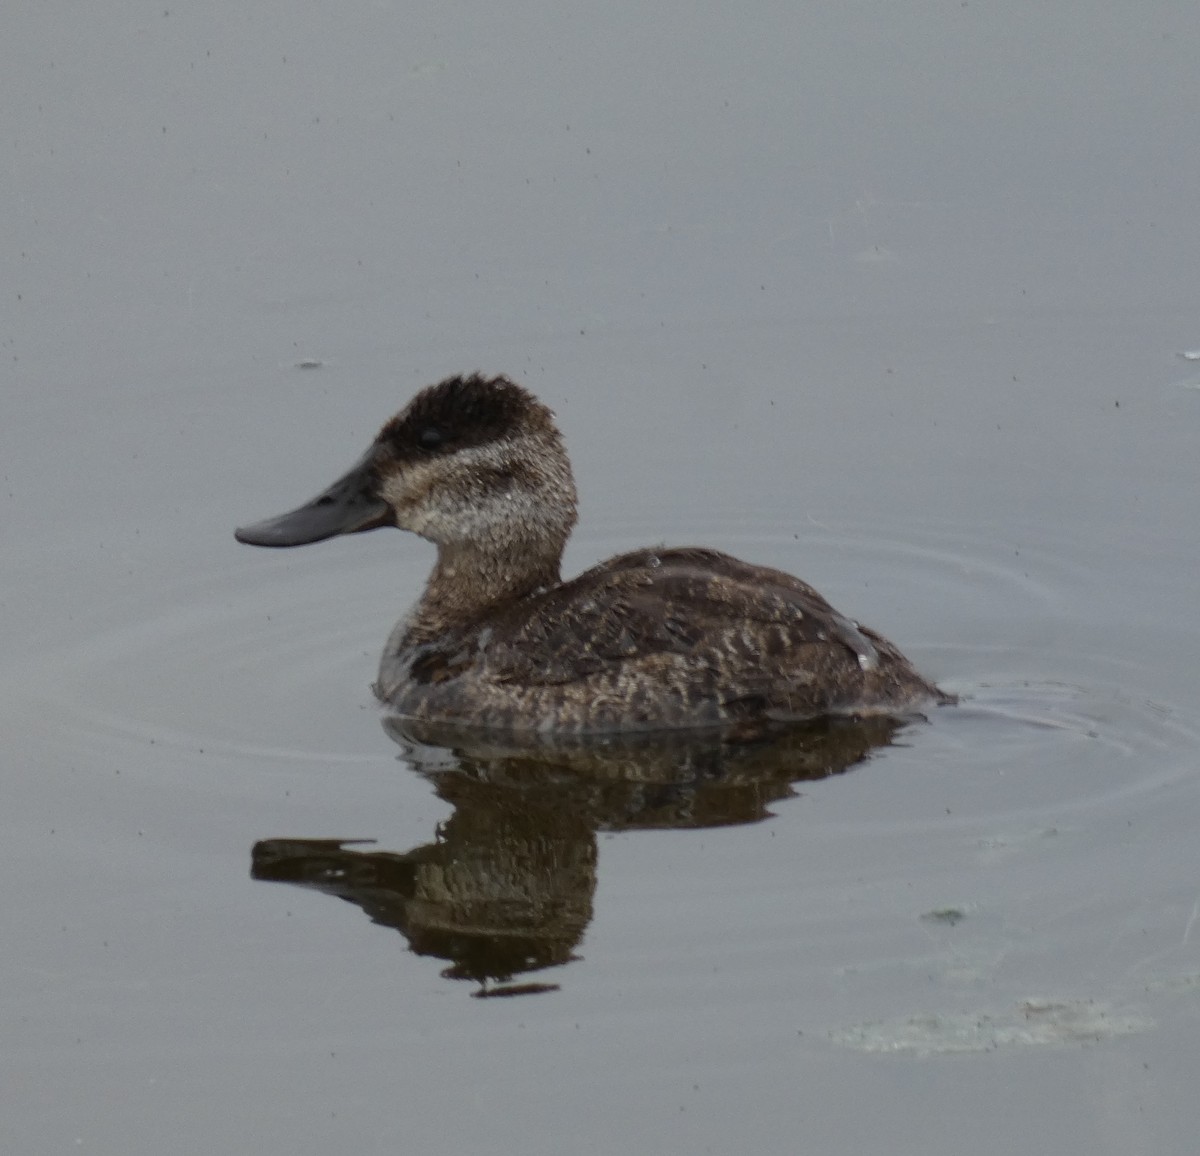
[{"x": 469, "y": 463}]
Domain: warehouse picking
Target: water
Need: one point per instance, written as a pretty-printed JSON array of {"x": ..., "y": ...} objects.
[{"x": 896, "y": 306}]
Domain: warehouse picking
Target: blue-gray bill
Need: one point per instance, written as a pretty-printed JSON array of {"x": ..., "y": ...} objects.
[{"x": 349, "y": 506}]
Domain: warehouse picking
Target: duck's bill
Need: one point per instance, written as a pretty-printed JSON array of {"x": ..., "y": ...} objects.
[{"x": 349, "y": 506}]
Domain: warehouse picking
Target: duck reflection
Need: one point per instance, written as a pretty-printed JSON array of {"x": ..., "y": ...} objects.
[{"x": 505, "y": 889}]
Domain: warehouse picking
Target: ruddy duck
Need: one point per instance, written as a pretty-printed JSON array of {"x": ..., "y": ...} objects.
[{"x": 660, "y": 638}]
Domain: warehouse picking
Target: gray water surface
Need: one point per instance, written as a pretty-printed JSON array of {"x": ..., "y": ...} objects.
[{"x": 893, "y": 298}]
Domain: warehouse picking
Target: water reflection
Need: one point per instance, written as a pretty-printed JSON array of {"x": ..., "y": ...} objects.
[{"x": 506, "y": 886}]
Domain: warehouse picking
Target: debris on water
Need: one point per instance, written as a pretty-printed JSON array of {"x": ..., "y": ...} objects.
[
  {"x": 876, "y": 255},
  {"x": 1030, "y": 1023},
  {"x": 948, "y": 915},
  {"x": 1189, "y": 982},
  {"x": 1190, "y": 355},
  {"x": 309, "y": 363}
]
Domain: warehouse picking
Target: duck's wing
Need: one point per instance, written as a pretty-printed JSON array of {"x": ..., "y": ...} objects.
[{"x": 747, "y": 624}]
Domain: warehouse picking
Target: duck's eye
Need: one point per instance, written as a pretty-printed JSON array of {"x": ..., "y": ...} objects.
[{"x": 430, "y": 438}]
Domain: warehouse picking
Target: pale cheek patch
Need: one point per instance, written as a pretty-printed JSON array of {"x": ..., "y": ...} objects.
[{"x": 460, "y": 497}]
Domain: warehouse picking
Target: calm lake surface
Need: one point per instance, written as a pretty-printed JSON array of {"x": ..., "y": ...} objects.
[{"x": 899, "y": 301}]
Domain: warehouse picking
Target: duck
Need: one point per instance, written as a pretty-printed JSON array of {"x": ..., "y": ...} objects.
[{"x": 656, "y": 639}]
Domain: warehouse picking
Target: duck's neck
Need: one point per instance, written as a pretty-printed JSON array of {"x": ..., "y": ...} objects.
[{"x": 471, "y": 579}]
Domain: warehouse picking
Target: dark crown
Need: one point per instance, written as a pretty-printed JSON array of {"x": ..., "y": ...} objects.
[{"x": 458, "y": 413}]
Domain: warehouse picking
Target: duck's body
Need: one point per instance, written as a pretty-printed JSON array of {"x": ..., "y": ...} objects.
[
  {"x": 653, "y": 639},
  {"x": 657, "y": 638}
]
